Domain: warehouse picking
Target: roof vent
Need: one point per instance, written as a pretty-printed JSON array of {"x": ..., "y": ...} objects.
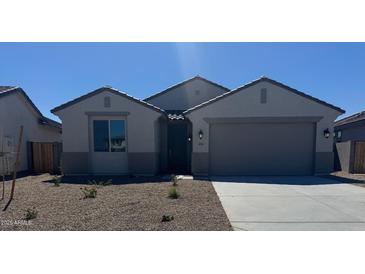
[
  {"x": 263, "y": 96},
  {"x": 107, "y": 102}
]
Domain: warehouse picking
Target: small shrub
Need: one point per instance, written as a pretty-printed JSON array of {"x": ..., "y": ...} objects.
[
  {"x": 167, "y": 218},
  {"x": 57, "y": 180},
  {"x": 31, "y": 214},
  {"x": 100, "y": 183},
  {"x": 174, "y": 180},
  {"x": 89, "y": 192},
  {"x": 173, "y": 193}
]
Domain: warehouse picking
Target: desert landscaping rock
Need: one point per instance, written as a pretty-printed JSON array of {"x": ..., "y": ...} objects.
[{"x": 133, "y": 204}]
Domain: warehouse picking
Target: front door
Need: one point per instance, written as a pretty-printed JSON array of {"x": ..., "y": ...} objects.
[{"x": 179, "y": 147}]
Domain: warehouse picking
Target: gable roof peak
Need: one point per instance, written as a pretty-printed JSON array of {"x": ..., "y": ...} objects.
[
  {"x": 4, "y": 89},
  {"x": 8, "y": 90},
  {"x": 110, "y": 89},
  {"x": 183, "y": 83},
  {"x": 266, "y": 79}
]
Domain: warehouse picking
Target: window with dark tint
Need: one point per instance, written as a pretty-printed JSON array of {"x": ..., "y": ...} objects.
[
  {"x": 101, "y": 135},
  {"x": 117, "y": 136}
]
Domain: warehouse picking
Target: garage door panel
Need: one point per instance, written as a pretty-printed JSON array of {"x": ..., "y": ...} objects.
[{"x": 262, "y": 149}]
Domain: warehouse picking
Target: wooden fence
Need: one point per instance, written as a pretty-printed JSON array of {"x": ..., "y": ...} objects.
[
  {"x": 359, "y": 159},
  {"x": 45, "y": 157}
]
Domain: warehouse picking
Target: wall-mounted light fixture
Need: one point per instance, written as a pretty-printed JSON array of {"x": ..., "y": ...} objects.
[
  {"x": 200, "y": 134},
  {"x": 326, "y": 133}
]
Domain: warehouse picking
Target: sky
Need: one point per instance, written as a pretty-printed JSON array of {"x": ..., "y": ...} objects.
[{"x": 54, "y": 73}]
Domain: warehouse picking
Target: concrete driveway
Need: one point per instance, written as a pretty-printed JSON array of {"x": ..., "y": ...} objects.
[{"x": 291, "y": 203}]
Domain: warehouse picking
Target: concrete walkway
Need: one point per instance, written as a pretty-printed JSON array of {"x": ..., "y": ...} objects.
[{"x": 291, "y": 203}]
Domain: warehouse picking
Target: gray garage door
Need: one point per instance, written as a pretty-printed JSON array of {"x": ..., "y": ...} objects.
[{"x": 262, "y": 149}]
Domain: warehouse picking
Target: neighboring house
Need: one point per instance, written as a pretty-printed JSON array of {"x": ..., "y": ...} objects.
[
  {"x": 17, "y": 109},
  {"x": 350, "y": 128},
  {"x": 199, "y": 127},
  {"x": 350, "y": 143}
]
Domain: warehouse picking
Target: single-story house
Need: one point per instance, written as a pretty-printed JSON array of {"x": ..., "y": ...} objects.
[
  {"x": 351, "y": 128},
  {"x": 17, "y": 109},
  {"x": 199, "y": 127},
  {"x": 350, "y": 143}
]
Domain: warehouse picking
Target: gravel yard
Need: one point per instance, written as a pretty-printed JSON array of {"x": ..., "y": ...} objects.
[
  {"x": 356, "y": 179},
  {"x": 127, "y": 204}
]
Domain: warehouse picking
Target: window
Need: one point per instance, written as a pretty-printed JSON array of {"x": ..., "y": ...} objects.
[
  {"x": 339, "y": 134},
  {"x": 109, "y": 136},
  {"x": 101, "y": 135},
  {"x": 117, "y": 136}
]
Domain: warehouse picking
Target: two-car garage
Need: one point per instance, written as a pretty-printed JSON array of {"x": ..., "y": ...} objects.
[
  {"x": 263, "y": 128},
  {"x": 262, "y": 148}
]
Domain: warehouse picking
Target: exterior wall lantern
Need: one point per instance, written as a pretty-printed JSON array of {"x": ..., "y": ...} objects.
[
  {"x": 326, "y": 133},
  {"x": 200, "y": 134}
]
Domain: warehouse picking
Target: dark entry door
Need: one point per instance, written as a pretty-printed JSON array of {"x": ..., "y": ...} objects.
[{"x": 178, "y": 147}]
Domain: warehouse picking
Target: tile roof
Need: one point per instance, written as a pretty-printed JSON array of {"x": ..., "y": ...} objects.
[
  {"x": 263, "y": 79},
  {"x": 351, "y": 119},
  {"x": 112, "y": 90},
  {"x": 175, "y": 114},
  {"x": 183, "y": 83},
  {"x": 5, "y": 88}
]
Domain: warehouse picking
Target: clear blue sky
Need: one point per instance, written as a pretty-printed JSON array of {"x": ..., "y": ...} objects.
[{"x": 53, "y": 73}]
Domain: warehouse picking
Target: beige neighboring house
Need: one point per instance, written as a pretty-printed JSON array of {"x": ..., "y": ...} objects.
[
  {"x": 199, "y": 127},
  {"x": 17, "y": 109}
]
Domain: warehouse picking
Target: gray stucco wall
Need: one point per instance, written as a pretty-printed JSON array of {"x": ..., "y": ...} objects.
[
  {"x": 186, "y": 96},
  {"x": 200, "y": 163},
  {"x": 280, "y": 103},
  {"x": 324, "y": 162},
  {"x": 143, "y": 163},
  {"x": 14, "y": 112},
  {"x": 142, "y": 133},
  {"x": 75, "y": 163},
  {"x": 353, "y": 131},
  {"x": 163, "y": 161}
]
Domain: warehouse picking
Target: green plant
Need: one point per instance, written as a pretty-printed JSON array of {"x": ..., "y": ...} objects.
[
  {"x": 167, "y": 218},
  {"x": 174, "y": 180},
  {"x": 173, "y": 193},
  {"x": 57, "y": 180},
  {"x": 30, "y": 214},
  {"x": 89, "y": 192},
  {"x": 99, "y": 182}
]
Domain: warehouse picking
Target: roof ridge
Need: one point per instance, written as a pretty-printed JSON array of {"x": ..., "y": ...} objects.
[
  {"x": 101, "y": 89},
  {"x": 183, "y": 83},
  {"x": 8, "y": 88},
  {"x": 349, "y": 119},
  {"x": 29, "y": 101},
  {"x": 264, "y": 78},
  {"x": 222, "y": 95},
  {"x": 135, "y": 98}
]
